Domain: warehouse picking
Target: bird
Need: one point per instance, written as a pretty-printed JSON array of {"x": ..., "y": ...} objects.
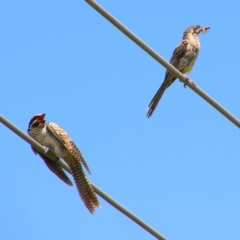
[
  {"x": 57, "y": 140},
  {"x": 183, "y": 58}
]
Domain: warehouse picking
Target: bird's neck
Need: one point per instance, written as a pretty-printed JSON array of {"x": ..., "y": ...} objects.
[{"x": 192, "y": 39}]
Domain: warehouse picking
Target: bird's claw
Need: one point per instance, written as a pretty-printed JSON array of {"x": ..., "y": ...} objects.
[
  {"x": 46, "y": 150},
  {"x": 189, "y": 81}
]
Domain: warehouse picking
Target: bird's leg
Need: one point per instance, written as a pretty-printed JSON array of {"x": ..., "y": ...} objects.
[
  {"x": 46, "y": 150},
  {"x": 189, "y": 81}
]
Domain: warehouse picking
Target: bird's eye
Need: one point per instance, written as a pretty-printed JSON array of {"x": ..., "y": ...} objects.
[{"x": 35, "y": 124}]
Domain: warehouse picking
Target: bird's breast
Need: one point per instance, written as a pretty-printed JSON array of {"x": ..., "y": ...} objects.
[
  {"x": 57, "y": 146},
  {"x": 189, "y": 59},
  {"x": 189, "y": 68},
  {"x": 47, "y": 139}
]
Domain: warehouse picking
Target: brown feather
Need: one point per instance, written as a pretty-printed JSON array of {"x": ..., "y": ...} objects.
[
  {"x": 68, "y": 143},
  {"x": 73, "y": 158},
  {"x": 183, "y": 58},
  {"x": 84, "y": 187}
]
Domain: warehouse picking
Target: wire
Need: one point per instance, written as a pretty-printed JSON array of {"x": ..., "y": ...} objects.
[
  {"x": 162, "y": 61},
  {"x": 45, "y": 151}
]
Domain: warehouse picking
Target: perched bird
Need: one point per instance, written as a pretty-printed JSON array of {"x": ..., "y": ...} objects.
[
  {"x": 56, "y": 139},
  {"x": 183, "y": 58}
]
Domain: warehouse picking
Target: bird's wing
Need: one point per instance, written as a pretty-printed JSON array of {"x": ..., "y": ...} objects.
[
  {"x": 54, "y": 167},
  {"x": 68, "y": 143},
  {"x": 74, "y": 160},
  {"x": 179, "y": 53}
]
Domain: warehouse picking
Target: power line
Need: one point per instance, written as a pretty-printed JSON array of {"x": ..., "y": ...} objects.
[
  {"x": 162, "y": 61},
  {"x": 45, "y": 151}
]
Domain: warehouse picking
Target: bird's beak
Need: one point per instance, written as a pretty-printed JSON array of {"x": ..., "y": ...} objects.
[
  {"x": 202, "y": 29},
  {"x": 41, "y": 117}
]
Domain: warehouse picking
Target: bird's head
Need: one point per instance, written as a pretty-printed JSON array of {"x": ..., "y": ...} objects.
[
  {"x": 194, "y": 31},
  {"x": 37, "y": 121}
]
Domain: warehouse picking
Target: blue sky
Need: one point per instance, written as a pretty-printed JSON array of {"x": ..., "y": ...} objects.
[{"x": 178, "y": 171}]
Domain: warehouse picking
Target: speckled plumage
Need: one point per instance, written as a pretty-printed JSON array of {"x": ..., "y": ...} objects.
[
  {"x": 68, "y": 143},
  {"x": 57, "y": 139},
  {"x": 183, "y": 58}
]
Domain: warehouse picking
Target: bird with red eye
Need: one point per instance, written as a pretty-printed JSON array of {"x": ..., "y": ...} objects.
[{"x": 56, "y": 139}]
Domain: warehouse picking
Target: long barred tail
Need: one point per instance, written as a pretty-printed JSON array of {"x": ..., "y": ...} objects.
[{"x": 84, "y": 187}]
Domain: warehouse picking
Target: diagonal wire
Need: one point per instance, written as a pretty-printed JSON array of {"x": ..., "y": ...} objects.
[
  {"x": 45, "y": 151},
  {"x": 162, "y": 61}
]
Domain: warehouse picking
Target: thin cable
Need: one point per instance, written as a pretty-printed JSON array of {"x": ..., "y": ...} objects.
[
  {"x": 162, "y": 61},
  {"x": 129, "y": 214},
  {"x": 102, "y": 194},
  {"x": 45, "y": 151}
]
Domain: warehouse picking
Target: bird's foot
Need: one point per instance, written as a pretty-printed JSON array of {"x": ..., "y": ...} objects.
[
  {"x": 189, "y": 81},
  {"x": 46, "y": 150}
]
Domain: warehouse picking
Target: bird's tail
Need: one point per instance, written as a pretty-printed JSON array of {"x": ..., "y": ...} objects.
[
  {"x": 154, "y": 102},
  {"x": 84, "y": 187}
]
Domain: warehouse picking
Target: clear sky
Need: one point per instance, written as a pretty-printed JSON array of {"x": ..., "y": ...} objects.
[{"x": 179, "y": 171}]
